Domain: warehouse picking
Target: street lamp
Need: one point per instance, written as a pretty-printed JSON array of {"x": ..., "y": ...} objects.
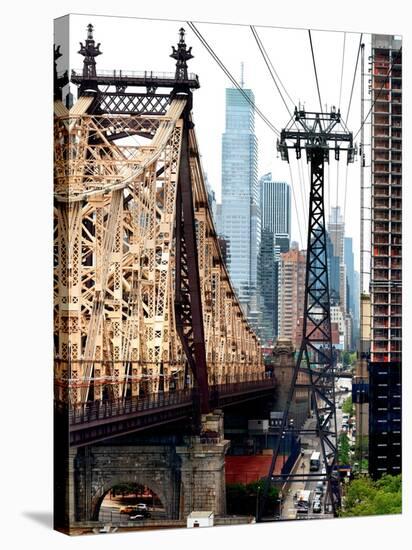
[{"x": 257, "y": 501}]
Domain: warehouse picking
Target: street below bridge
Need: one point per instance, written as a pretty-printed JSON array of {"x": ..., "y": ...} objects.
[{"x": 310, "y": 443}]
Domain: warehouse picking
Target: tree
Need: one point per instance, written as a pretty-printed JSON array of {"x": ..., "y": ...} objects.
[
  {"x": 348, "y": 358},
  {"x": 366, "y": 497},
  {"x": 242, "y": 498},
  {"x": 347, "y": 406},
  {"x": 343, "y": 449}
]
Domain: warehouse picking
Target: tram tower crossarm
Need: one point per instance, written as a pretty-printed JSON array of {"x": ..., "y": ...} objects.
[{"x": 314, "y": 131}]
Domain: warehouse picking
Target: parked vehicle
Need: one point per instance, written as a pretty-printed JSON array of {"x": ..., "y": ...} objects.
[
  {"x": 303, "y": 501},
  {"x": 142, "y": 514},
  {"x": 315, "y": 461},
  {"x": 317, "y": 507},
  {"x": 319, "y": 488},
  {"x": 128, "y": 510}
]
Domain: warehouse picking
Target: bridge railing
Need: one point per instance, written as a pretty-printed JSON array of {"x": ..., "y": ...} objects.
[
  {"x": 99, "y": 410},
  {"x": 126, "y": 74}
]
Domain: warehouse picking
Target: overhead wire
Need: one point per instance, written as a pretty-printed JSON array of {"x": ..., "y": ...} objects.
[
  {"x": 302, "y": 191},
  {"x": 345, "y": 124},
  {"x": 271, "y": 68},
  {"x": 345, "y": 193},
  {"x": 296, "y": 206},
  {"x": 231, "y": 78},
  {"x": 314, "y": 66},
  {"x": 341, "y": 72},
  {"x": 354, "y": 78},
  {"x": 379, "y": 92},
  {"x": 274, "y": 70},
  {"x": 251, "y": 102},
  {"x": 275, "y": 77}
]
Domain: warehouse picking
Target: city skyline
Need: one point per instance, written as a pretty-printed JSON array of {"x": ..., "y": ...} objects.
[
  {"x": 214, "y": 82},
  {"x": 177, "y": 325}
]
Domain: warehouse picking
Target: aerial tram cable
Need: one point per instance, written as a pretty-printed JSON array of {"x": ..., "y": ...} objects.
[
  {"x": 251, "y": 103},
  {"x": 271, "y": 68},
  {"x": 380, "y": 91},
  {"x": 275, "y": 77},
  {"x": 316, "y": 73},
  {"x": 232, "y": 79},
  {"x": 296, "y": 206},
  {"x": 274, "y": 70},
  {"x": 354, "y": 78},
  {"x": 341, "y": 72},
  {"x": 302, "y": 191}
]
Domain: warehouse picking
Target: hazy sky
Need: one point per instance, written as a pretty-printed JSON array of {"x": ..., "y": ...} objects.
[{"x": 135, "y": 44}]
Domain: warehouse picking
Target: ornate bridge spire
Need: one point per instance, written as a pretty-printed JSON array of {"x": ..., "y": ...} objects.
[
  {"x": 182, "y": 55},
  {"x": 59, "y": 81},
  {"x": 90, "y": 51}
]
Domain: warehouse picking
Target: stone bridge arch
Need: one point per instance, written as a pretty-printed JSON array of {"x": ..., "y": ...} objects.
[
  {"x": 128, "y": 477},
  {"x": 102, "y": 467}
]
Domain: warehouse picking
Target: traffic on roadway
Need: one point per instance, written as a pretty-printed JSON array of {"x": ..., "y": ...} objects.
[{"x": 306, "y": 500}]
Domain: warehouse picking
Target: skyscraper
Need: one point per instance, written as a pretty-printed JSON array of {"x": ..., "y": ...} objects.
[
  {"x": 386, "y": 258},
  {"x": 275, "y": 205},
  {"x": 352, "y": 289},
  {"x": 275, "y": 210},
  {"x": 291, "y": 293},
  {"x": 333, "y": 272},
  {"x": 240, "y": 197},
  {"x": 336, "y": 231},
  {"x": 267, "y": 288}
]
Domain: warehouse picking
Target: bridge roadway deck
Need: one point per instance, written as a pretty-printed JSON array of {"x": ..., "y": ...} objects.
[{"x": 100, "y": 420}]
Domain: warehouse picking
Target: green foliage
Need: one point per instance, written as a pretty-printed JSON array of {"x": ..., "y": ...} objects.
[
  {"x": 344, "y": 449},
  {"x": 348, "y": 358},
  {"x": 360, "y": 451},
  {"x": 347, "y": 406},
  {"x": 366, "y": 497},
  {"x": 127, "y": 489},
  {"x": 242, "y": 498}
]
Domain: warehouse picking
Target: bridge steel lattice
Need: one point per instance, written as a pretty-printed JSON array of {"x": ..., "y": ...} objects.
[{"x": 143, "y": 300}]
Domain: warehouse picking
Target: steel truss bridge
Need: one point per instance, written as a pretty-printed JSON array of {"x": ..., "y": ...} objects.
[{"x": 148, "y": 327}]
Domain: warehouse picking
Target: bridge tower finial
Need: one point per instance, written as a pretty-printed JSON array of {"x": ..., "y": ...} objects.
[
  {"x": 89, "y": 51},
  {"x": 182, "y": 55},
  {"x": 59, "y": 81}
]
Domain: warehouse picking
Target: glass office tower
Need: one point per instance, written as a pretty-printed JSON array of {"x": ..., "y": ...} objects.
[{"x": 240, "y": 197}]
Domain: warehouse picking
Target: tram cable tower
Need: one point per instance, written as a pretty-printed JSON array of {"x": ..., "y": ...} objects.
[{"x": 318, "y": 133}]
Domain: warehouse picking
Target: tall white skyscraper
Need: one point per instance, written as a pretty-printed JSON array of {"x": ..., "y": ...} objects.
[{"x": 240, "y": 222}]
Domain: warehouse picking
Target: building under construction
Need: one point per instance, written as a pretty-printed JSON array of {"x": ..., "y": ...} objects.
[{"x": 386, "y": 258}]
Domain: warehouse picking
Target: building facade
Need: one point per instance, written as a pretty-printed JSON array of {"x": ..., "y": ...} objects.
[
  {"x": 336, "y": 231},
  {"x": 352, "y": 292},
  {"x": 275, "y": 205},
  {"x": 275, "y": 210},
  {"x": 386, "y": 258},
  {"x": 240, "y": 213},
  {"x": 291, "y": 293}
]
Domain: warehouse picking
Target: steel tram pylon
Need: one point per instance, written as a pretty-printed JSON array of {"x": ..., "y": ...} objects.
[{"x": 318, "y": 133}]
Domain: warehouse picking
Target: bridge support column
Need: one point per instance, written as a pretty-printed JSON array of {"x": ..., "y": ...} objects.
[{"x": 203, "y": 468}]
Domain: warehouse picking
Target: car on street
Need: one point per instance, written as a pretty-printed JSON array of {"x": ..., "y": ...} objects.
[
  {"x": 317, "y": 507},
  {"x": 319, "y": 488},
  {"x": 141, "y": 514},
  {"x": 128, "y": 510}
]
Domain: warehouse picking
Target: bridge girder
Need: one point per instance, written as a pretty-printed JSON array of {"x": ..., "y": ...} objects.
[{"x": 115, "y": 259}]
